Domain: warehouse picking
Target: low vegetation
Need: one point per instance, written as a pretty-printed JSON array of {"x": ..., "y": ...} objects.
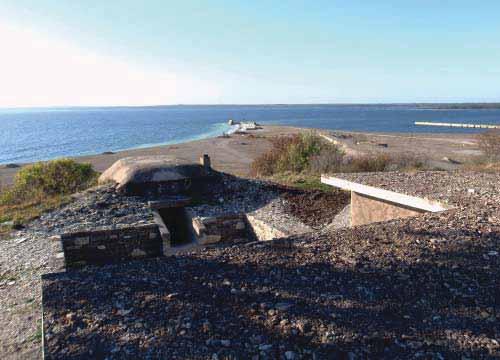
[
  {"x": 290, "y": 153},
  {"x": 489, "y": 162},
  {"x": 299, "y": 159},
  {"x": 489, "y": 144},
  {"x": 42, "y": 186}
]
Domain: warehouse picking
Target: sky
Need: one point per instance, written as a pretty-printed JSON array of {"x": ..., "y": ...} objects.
[{"x": 160, "y": 52}]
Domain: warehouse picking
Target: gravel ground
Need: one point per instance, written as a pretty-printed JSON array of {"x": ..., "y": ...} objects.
[
  {"x": 32, "y": 252},
  {"x": 291, "y": 210},
  {"x": 424, "y": 287},
  {"x": 276, "y": 215},
  {"x": 455, "y": 188},
  {"x": 315, "y": 208}
]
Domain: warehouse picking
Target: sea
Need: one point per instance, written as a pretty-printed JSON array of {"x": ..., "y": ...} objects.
[{"x": 34, "y": 134}]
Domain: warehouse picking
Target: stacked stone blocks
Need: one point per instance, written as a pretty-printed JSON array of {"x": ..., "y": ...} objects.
[{"x": 109, "y": 246}]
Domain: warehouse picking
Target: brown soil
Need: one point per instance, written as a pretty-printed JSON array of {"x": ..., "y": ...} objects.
[{"x": 314, "y": 207}]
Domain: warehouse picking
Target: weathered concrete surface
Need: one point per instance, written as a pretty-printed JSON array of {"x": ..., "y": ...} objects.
[
  {"x": 367, "y": 210},
  {"x": 147, "y": 169},
  {"x": 160, "y": 176},
  {"x": 264, "y": 231}
]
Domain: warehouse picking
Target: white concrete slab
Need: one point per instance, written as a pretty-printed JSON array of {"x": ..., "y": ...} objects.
[{"x": 386, "y": 195}]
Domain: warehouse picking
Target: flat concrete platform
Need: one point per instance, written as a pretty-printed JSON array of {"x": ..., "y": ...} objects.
[{"x": 370, "y": 204}]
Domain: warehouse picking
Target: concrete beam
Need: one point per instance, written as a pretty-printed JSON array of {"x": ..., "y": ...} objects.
[{"x": 411, "y": 202}]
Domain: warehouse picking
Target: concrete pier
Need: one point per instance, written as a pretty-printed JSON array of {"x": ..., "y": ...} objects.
[{"x": 458, "y": 125}]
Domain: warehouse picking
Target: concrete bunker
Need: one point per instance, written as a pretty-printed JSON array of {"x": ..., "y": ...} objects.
[
  {"x": 181, "y": 212},
  {"x": 371, "y": 204},
  {"x": 157, "y": 177},
  {"x": 181, "y": 229},
  {"x": 182, "y": 207}
]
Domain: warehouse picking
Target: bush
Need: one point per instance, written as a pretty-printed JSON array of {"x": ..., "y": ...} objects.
[
  {"x": 49, "y": 179},
  {"x": 489, "y": 143},
  {"x": 310, "y": 153},
  {"x": 290, "y": 154}
]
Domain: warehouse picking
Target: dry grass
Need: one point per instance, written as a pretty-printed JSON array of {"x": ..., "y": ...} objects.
[
  {"x": 335, "y": 163},
  {"x": 310, "y": 154},
  {"x": 299, "y": 160},
  {"x": 25, "y": 211},
  {"x": 489, "y": 143},
  {"x": 303, "y": 181},
  {"x": 482, "y": 164}
]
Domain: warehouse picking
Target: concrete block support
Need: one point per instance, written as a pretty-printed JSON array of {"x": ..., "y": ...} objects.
[
  {"x": 370, "y": 204},
  {"x": 367, "y": 210}
]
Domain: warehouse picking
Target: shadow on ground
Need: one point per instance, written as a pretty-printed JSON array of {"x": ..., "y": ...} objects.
[{"x": 304, "y": 298}]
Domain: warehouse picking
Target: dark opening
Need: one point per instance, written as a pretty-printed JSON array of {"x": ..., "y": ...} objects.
[{"x": 177, "y": 223}]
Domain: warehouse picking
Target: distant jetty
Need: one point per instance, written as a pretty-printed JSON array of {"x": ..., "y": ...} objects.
[{"x": 458, "y": 125}]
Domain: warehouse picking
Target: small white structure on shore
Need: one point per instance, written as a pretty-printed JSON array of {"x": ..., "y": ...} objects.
[{"x": 244, "y": 126}]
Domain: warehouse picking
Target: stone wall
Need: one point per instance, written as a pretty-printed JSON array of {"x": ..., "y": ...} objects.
[
  {"x": 210, "y": 230},
  {"x": 367, "y": 210},
  {"x": 110, "y": 246}
]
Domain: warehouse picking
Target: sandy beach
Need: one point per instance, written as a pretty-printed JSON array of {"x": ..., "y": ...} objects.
[{"x": 235, "y": 153}]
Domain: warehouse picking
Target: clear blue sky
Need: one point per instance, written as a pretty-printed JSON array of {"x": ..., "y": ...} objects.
[{"x": 158, "y": 51}]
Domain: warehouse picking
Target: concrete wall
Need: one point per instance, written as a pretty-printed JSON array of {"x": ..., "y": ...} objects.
[
  {"x": 108, "y": 246},
  {"x": 263, "y": 231},
  {"x": 195, "y": 186},
  {"x": 366, "y": 210}
]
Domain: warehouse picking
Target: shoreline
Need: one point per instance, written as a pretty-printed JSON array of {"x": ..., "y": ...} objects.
[
  {"x": 234, "y": 153},
  {"x": 184, "y": 150}
]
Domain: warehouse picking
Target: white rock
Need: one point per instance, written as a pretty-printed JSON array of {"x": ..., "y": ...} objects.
[
  {"x": 21, "y": 240},
  {"x": 265, "y": 347},
  {"x": 225, "y": 343},
  {"x": 138, "y": 253},
  {"x": 123, "y": 312}
]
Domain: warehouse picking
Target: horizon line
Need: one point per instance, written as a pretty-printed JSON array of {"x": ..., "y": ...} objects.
[{"x": 253, "y": 104}]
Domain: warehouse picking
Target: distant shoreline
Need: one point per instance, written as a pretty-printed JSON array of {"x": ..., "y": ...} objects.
[
  {"x": 420, "y": 105},
  {"x": 42, "y": 134},
  {"x": 235, "y": 153}
]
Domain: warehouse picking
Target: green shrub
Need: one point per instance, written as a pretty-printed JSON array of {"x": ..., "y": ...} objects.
[
  {"x": 49, "y": 179},
  {"x": 310, "y": 153},
  {"x": 291, "y": 154}
]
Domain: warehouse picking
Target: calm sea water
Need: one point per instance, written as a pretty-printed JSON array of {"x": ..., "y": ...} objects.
[{"x": 39, "y": 134}]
